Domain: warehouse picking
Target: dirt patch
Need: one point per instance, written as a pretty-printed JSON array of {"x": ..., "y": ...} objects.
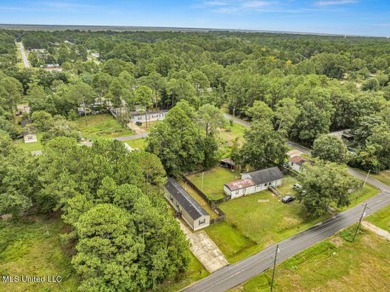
[
  {"x": 383, "y": 233},
  {"x": 135, "y": 128},
  {"x": 263, "y": 201},
  {"x": 337, "y": 241}
]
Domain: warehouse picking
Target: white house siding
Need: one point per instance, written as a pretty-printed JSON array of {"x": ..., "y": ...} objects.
[
  {"x": 194, "y": 224},
  {"x": 201, "y": 222},
  {"x": 251, "y": 190},
  {"x": 227, "y": 191},
  {"x": 151, "y": 117},
  {"x": 294, "y": 166}
]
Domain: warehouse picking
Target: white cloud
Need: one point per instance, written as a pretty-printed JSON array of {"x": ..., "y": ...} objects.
[{"x": 334, "y": 2}]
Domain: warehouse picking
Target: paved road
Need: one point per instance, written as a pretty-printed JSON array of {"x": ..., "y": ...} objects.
[
  {"x": 132, "y": 137},
  {"x": 24, "y": 57},
  {"x": 240, "y": 272}
]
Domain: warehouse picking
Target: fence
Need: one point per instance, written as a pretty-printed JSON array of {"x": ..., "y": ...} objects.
[{"x": 213, "y": 206}]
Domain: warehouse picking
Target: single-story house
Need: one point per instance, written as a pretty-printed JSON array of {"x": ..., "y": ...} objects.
[
  {"x": 228, "y": 163},
  {"x": 253, "y": 182},
  {"x": 190, "y": 210},
  {"x": 30, "y": 138},
  {"x": 150, "y": 116},
  {"x": 296, "y": 163}
]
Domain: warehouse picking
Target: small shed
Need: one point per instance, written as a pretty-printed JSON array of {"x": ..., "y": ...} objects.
[
  {"x": 30, "y": 138},
  {"x": 189, "y": 209},
  {"x": 296, "y": 163},
  {"x": 228, "y": 163}
]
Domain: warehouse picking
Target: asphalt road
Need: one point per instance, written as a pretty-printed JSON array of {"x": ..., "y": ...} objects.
[{"x": 24, "y": 57}]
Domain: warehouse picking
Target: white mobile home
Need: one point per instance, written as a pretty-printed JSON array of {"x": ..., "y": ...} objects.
[{"x": 189, "y": 209}]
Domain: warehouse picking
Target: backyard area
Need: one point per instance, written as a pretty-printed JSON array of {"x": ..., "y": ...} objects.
[
  {"x": 33, "y": 247},
  {"x": 332, "y": 266},
  {"x": 199, "y": 199},
  {"x": 136, "y": 143},
  {"x": 101, "y": 126},
  {"x": 211, "y": 181},
  {"x": 31, "y": 146}
]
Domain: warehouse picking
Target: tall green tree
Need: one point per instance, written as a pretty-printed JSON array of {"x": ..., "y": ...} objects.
[
  {"x": 330, "y": 148},
  {"x": 263, "y": 147},
  {"x": 324, "y": 184}
]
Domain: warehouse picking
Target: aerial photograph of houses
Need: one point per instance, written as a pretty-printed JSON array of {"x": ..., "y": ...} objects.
[{"x": 195, "y": 146}]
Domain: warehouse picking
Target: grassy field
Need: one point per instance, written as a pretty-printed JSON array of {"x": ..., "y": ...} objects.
[
  {"x": 383, "y": 176},
  {"x": 231, "y": 242},
  {"x": 332, "y": 265},
  {"x": 33, "y": 248},
  {"x": 101, "y": 126},
  {"x": 31, "y": 146},
  {"x": 194, "y": 273},
  {"x": 137, "y": 143},
  {"x": 213, "y": 181},
  {"x": 381, "y": 218},
  {"x": 199, "y": 199},
  {"x": 360, "y": 195},
  {"x": 263, "y": 219}
]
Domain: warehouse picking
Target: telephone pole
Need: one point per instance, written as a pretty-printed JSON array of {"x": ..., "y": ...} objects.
[
  {"x": 273, "y": 271},
  {"x": 360, "y": 221}
]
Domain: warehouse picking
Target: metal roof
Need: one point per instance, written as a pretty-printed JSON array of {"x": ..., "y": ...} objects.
[
  {"x": 240, "y": 184},
  {"x": 188, "y": 203},
  {"x": 265, "y": 175}
]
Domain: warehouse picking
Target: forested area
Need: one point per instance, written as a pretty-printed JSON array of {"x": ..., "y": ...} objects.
[{"x": 296, "y": 87}]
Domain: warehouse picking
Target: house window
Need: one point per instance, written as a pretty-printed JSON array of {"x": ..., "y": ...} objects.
[
  {"x": 201, "y": 222},
  {"x": 237, "y": 192}
]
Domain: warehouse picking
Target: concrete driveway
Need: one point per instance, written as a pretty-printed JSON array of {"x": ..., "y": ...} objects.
[{"x": 204, "y": 249}]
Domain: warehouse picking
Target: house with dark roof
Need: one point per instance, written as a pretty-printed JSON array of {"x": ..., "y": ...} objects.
[
  {"x": 190, "y": 210},
  {"x": 253, "y": 182}
]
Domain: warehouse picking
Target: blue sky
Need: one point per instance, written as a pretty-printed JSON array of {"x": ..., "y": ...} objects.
[{"x": 359, "y": 17}]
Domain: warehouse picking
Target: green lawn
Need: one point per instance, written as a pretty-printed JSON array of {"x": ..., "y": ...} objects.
[
  {"x": 229, "y": 240},
  {"x": 332, "y": 265},
  {"x": 31, "y": 146},
  {"x": 232, "y": 132},
  {"x": 103, "y": 126},
  {"x": 213, "y": 181},
  {"x": 138, "y": 143},
  {"x": 34, "y": 248},
  {"x": 360, "y": 195},
  {"x": 381, "y": 218},
  {"x": 194, "y": 273},
  {"x": 383, "y": 176},
  {"x": 199, "y": 199}
]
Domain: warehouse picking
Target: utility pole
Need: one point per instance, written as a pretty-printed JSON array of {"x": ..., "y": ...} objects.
[
  {"x": 368, "y": 173},
  {"x": 273, "y": 271},
  {"x": 360, "y": 221}
]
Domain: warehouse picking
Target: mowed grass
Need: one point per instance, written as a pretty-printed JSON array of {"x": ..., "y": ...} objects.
[
  {"x": 33, "y": 247},
  {"x": 381, "y": 218},
  {"x": 231, "y": 242},
  {"x": 359, "y": 196},
  {"x": 383, "y": 176},
  {"x": 199, "y": 199},
  {"x": 332, "y": 265},
  {"x": 195, "y": 272},
  {"x": 264, "y": 219},
  {"x": 213, "y": 181},
  {"x": 101, "y": 126},
  {"x": 137, "y": 143},
  {"x": 31, "y": 146}
]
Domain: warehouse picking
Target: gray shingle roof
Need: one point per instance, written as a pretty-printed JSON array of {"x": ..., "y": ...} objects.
[
  {"x": 265, "y": 175},
  {"x": 184, "y": 199}
]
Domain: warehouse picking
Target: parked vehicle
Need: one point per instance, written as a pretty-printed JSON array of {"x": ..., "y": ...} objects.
[
  {"x": 288, "y": 199},
  {"x": 138, "y": 123},
  {"x": 297, "y": 187}
]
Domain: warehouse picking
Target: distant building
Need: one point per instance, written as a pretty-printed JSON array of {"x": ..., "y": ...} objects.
[
  {"x": 30, "y": 138},
  {"x": 189, "y": 209},
  {"x": 150, "y": 116},
  {"x": 253, "y": 182},
  {"x": 296, "y": 163},
  {"x": 228, "y": 163}
]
